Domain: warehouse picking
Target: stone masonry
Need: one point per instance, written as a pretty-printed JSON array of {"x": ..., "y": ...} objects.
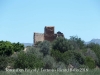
[{"x": 48, "y": 35}]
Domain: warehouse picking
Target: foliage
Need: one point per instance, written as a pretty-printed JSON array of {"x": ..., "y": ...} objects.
[
  {"x": 3, "y": 62},
  {"x": 35, "y": 51},
  {"x": 72, "y": 57},
  {"x": 6, "y": 48},
  {"x": 49, "y": 62},
  {"x": 68, "y": 57},
  {"x": 60, "y": 65},
  {"x": 37, "y": 43},
  {"x": 60, "y": 53},
  {"x": 57, "y": 55},
  {"x": 76, "y": 43},
  {"x": 90, "y": 62},
  {"x": 60, "y": 44},
  {"x": 44, "y": 47},
  {"x": 96, "y": 49},
  {"x": 87, "y": 72},
  {"x": 27, "y": 60},
  {"x": 92, "y": 54},
  {"x": 17, "y": 47}
]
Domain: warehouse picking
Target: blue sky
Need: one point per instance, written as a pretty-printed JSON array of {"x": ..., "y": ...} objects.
[{"x": 19, "y": 19}]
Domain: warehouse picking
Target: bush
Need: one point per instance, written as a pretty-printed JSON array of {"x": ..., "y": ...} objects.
[
  {"x": 17, "y": 47},
  {"x": 44, "y": 47},
  {"x": 6, "y": 48},
  {"x": 27, "y": 60},
  {"x": 96, "y": 49},
  {"x": 76, "y": 43},
  {"x": 57, "y": 55},
  {"x": 49, "y": 62},
  {"x": 3, "y": 62},
  {"x": 92, "y": 54},
  {"x": 73, "y": 58},
  {"x": 61, "y": 44},
  {"x": 60, "y": 65},
  {"x": 35, "y": 51},
  {"x": 90, "y": 62}
]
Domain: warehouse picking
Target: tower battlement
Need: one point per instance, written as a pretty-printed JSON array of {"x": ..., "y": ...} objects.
[{"x": 49, "y": 35}]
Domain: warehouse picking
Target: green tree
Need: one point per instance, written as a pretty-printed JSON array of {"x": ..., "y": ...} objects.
[
  {"x": 61, "y": 44},
  {"x": 6, "y": 48},
  {"x": 49, "y": 62},
  {"x": 90, "y": 62},
  {"x": 90, "y": 53},
  {"x": 76, "y": 43},
  {"x": 44, "y": 47},
  {"x": 96, "y": 49},
  {"x": 74, "y": 58},
  {"x": 35, "y": 51},
  {"x": 18, "y": 46},
  {"x": 3, "y": 62},
  {"x": 57, "y": 55},
  {"x": 27, "y": 60}
]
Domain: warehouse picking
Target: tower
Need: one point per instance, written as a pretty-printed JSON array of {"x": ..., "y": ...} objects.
[{"x": 49, "y": 33}]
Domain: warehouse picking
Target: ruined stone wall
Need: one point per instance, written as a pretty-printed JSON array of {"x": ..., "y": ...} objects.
[
  {"x": 60, "y": 34},
  {"x": 49, "y": 30},
  {"x": 49, "y": 33},
  {"x": 38, "y": 37}
]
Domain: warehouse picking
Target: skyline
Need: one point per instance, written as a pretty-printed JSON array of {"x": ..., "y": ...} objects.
[{"x": 19, "y": 19}]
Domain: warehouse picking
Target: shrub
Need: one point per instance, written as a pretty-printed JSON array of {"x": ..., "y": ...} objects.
[
  {"x": 73, "y": 58},
  {"x": 96, "y": 49},
  {"x": 61, "y": 44},
  {"x": 60, "y": 65},
  {"x": 6, "y": 48},
  {"x": 35, "y": 51},
  {"x": 57, "y": 55},
  {"x": 3, "y": 62},
  {"x": 76, "y": 43},
  {"x": 90, "y": 62},
  {"x": 17, "y": 47},
  {"x": 49, "y": 62},
  {"x": 44, "y": 47},
  {"x": 27, "y": 60},
  {"x": 92, "y": 54}
]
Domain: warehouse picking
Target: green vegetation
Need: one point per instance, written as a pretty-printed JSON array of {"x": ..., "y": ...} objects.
[
  {"x": 61, "y": 53},
  {"x": 7, "y": 48},
  {"x": 90, "y": 72}
]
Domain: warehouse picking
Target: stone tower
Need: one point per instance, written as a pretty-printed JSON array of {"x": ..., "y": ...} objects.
[{"x": 49, "y": 33}]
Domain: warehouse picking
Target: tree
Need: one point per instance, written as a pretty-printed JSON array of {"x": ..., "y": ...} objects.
[
  {"x": 3, "y": 62},
  {"x": 45, "y": 47},
  {"x": 96, "y": 49},
  {"x": 18, "y": 46},
  {"x": 27, "y": 60},
  {"x": 57, "y": 55},
  {"x": 90, "y": 53},
  {"x": 61, "y": 44},
  {"x": 49, "y": 62},
  {"x": 73, "y": 58},
  {"x": 76, "y": 43},
  {"x": 6, "y": 48},
  {"x": 35, "y": 51},
  {"x": 90, "y": 62}
]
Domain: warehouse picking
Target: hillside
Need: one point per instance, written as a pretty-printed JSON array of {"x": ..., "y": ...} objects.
[{"x": 94, "y": 41}]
